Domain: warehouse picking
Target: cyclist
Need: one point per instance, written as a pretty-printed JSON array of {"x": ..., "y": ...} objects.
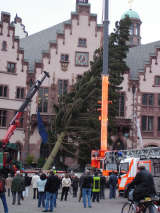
[{"x": 143, "y": 185}]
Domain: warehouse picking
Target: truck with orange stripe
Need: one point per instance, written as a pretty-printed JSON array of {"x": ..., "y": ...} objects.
[{"x": 128, "y": 168}]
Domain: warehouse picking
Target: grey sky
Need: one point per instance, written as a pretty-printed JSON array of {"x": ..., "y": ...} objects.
[{"x": 40, "y": 14}]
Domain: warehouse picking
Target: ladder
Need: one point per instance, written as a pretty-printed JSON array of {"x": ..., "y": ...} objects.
[{"x": 145, "y": 153}]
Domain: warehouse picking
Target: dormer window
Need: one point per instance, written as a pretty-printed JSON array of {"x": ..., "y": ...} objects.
[
  {"x": 82, "y": 42},
  {"x": 4, "y": 46}
]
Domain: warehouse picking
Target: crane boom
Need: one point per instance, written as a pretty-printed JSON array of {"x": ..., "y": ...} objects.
[
  {"x": 105, "y": 82},
  {"x": 16, "y": 120}
]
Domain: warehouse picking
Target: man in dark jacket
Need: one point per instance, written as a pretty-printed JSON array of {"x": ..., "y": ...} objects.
[
  {"x": 75, "y": 182},
  {"x": 51, "y": 188},
  {"x": 112, "y": 185},
  {"x": 102, "y": 185},
  {"x": 86, "y": 189},
  {"x": 80, "y": 186},
  {"x": 17, "y": 187},
  {"x": 143, "y": 183},
  {"x": 27, "y": 183},
  {"x": 2, "y": 194}
]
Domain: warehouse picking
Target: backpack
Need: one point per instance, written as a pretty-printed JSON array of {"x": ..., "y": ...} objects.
[{"x": 1, "y": 186}]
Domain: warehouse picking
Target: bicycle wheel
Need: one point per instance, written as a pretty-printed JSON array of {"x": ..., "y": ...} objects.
[
  {"x": 151, "y": 209},
  {"x": 128, "y": 208}
]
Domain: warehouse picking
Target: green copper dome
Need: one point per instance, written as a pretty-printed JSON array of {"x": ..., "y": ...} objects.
[{"x": 131, "y": 14}]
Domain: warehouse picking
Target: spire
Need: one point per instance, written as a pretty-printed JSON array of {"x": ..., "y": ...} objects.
[
  {"x": 81, "y": 2},
  {"x": 130, "y": 2}
]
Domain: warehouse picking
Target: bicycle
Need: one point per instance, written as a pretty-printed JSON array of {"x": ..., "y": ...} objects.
[{"x": 144, "y": 206}]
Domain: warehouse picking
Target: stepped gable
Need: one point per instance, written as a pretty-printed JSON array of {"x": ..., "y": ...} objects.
[
  {"x": 19, "y": 27},
  {"x": 140, "y": 56},
  {"x": 38, "y": 45},
  {"x": 7, "y": 32},
  {"x": 38, "y": 42}
]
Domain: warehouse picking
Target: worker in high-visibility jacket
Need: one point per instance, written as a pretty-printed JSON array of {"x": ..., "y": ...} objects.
[{"x": 96, "y": 188}]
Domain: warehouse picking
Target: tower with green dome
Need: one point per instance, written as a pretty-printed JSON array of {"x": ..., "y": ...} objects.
[{"x": 135, "y": 36}]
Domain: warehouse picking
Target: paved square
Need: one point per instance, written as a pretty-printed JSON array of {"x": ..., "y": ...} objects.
[{"x": 70, "y": 206}]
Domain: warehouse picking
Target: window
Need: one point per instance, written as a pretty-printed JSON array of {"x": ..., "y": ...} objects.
[
  {"x": 43, "y": 100},
  {"x": 158, "y": 99},
  {"x": 148, "y": 99},
  {"x": 30, "y": 83},
  {"x": 82, "y": 59},
  {"x": 3, "y": 91},
  {"x": 3, "y": 118},
  {"x": 82, "y": 42},
  {"x": 83, "y": 1},
  {"x": 4, "y": 46},
  {"x": 20, "y": 93},
  {"x": 62, "y": 87},
  {"x": 157, "y": 80},
  {"x": 147, "y": 123},
  {"x": 121, "y": 105},
  {"x": 64, "y": 58},
  {"x": 131, "y": 29},
  {"x": 79, "y": 77},
  {"x": 138, "y": 29},
  {"x": 158, "y": 123},
  {"x": 11, "y": 67}
]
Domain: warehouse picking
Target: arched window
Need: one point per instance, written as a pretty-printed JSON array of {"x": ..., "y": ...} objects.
[
  {"x": 138, "y": 29},
  {"x": 131, "y": 30}
]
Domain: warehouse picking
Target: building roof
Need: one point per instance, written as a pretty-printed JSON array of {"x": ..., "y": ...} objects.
[
  {"x": 139, "y": 56},
  {"x": 131, "y": 13},
  {"x": 37, "y": 43}
]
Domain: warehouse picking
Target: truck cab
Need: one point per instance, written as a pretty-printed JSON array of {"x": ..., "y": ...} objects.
[{"x": 128, "y": 171}]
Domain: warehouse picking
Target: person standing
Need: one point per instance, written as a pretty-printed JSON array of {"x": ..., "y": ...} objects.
[
  {"x": 51, "y": 188},
  {"x": 17, "y": 187},
  {"x": 75, "y": 182},
  {"x": 87, "y": 182},
  {"x": 96, "y": 188},
  {"x": 41, "y": 190},
  {"x": 8, "y": 184},
  {"x": 2, "y": 194},
  {"x": 66, "y": 183},
  {"x": 35, "y": 179},
  {"x": 27, "y": 183},
  {"x": 80, "y": 186},
  {"x": 102, "y": 186},
  {"x": 59, "y": 184},
  {"x": 112, "y": 185}
]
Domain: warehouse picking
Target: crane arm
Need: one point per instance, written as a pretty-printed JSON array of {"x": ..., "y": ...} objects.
[{"x": 16, "y": 119}]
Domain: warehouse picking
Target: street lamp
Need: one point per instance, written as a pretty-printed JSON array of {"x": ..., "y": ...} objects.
[{"x": 133, "y": 114}]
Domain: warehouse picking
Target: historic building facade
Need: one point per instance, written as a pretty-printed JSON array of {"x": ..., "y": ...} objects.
[
  {"x": 13, "y": 76},
  {"x": 65, "y": 51},
  {"x": 139, "y": 107}
]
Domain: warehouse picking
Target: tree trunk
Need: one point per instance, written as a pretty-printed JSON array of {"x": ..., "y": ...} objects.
[{"x": 53, "y": 154}]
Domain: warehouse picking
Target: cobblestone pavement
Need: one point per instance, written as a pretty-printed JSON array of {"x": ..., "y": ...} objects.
[{"x": 71, "y": 206}]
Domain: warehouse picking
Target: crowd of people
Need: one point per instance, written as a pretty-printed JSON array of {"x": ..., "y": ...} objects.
[{"x": 46, "y": 186}]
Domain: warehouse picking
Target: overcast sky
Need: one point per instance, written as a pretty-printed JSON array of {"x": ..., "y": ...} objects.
[{"x": 38, "y": 15}]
